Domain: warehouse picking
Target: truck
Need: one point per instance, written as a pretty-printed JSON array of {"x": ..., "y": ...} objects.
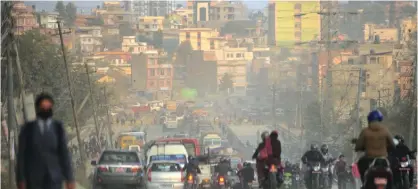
[
  {"x": 211, "y": 140},
  {"x": 171, "y": 121}
]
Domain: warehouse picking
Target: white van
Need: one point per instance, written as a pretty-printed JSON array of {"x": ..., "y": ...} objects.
[{"x": 167, "y": 152}]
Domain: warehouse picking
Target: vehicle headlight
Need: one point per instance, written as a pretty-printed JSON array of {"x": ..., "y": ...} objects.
[
  {"x": 325, "y": 169},
  {"x": 316, "y": 168},
  {"x": 404, "y": 164}
]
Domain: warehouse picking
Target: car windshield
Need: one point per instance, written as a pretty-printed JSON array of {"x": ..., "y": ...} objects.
[
  {"x": 119, "y": 158},
  {"x": 165, "y": 167}
]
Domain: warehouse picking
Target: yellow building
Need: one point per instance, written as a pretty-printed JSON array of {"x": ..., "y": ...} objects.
[
  {"x": 150, "y": 23},
  {"x": 386, "y": 34},
  {"x": 293, "y": 22},
  {"x": 200, "y": 38}
]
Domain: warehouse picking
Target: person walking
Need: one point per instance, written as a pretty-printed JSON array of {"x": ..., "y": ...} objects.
[{"x": 43, "y": 158}]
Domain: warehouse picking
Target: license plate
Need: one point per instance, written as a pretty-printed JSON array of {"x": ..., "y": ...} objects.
[
  {"x": 404, "y": 169},
  {"x": 380, "y": 181},
  {"x": 206, "y": 185},
  {"x": 120, "y": 170},
  {"x": 316, "y": 172},
  {"x": 167, "y": 185}
]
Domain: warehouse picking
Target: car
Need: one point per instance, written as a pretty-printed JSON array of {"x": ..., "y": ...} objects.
[
  {"x": 164, "y": 175},
  {"x": 121, "y": 168}
]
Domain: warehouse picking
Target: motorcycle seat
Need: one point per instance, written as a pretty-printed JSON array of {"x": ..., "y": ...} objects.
[{"x": 380, "y": 163}]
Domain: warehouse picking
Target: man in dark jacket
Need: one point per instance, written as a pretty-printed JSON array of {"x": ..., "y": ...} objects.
[
  {"x": 43, "y": 159},
  {"x": 276, "y": 148},
  {"x": 402, "y": 151}
]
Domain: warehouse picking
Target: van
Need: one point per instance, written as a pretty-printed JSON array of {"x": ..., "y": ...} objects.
[{"x": 167, "y": 152}]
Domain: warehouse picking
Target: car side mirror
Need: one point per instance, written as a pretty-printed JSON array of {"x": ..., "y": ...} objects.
[{"x": 93, "y": 162}]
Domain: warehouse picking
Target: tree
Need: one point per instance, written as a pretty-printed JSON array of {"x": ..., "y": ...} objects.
[
  {"x": 126, "y": 30},
  {"x": 408, "y": 11},
  {"x": 226, "y": 82},
  {"x": 375, "y": 13},
  {"x": 43, "y": 70},
  {"x": 158, "y": 39},
  {"x": 60, "y": 8},
  {"x": 183, "y": 52},
  {"x": 98, "y": 21},
  {"x": 71, "y": 11}
]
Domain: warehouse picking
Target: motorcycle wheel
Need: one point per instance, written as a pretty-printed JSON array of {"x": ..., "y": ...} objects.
[
  {"x": 315, "y": 181},
  {"x": 272, "y": 181},
  {"x": 404, "y": 181}
]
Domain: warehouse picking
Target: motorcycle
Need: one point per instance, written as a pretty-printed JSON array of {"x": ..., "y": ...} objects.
[
  {"x": 191, "y": 182},
  {"x": 271, "y": 181},
  {"x": 378, "y": 175},
  {"x": 288, "y": 180},
  {"x": 315, "y": 170},
  {"x": 296, "y": 181},
  {"x": 325, "y": 171},
  {"x": 221, "y": 182},
  {"x": 404, "y": 173},
  {"x": 205, "y": 184}
]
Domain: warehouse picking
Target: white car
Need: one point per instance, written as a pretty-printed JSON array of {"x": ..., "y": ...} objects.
[{"x": 164, "y": 175}]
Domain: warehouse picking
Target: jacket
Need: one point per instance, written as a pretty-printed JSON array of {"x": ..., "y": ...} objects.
[
  {"x": 247, "y": 174},
  {"x": 276, "y": 146},
  {"x": 259, "y": 147},
  {"x": 312, "y": 156},
  {"x": 401, "y": 151},
  {"x": 375, "y": 140}
]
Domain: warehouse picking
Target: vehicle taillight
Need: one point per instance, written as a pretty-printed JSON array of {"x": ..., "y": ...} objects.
[
  {"x": 135, "y": 169},
  {"x": 404, "y": 159},
  {"x": 102, "y": 169},
  {"x": 190, "y": 178},
  {"x": 273, "y": 168},
  {"x": 149, "y": 175},
  {"x": 221, "y": 179}
]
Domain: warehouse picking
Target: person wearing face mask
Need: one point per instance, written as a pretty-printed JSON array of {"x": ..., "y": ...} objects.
[{"x": 43, "y": 158}]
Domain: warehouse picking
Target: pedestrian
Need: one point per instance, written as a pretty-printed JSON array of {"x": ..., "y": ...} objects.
[
  {"x": 341, "y": 172},
  {"x": 43, "y": 158}
]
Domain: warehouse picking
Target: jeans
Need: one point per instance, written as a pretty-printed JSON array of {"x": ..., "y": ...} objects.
[{"x": 342, "y": 181}]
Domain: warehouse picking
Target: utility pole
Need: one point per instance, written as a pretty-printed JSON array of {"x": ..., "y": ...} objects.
[
  {"x": 379, "y": 99},
  {"x": 109, "y": 126},
  {"x": 70, "y": 88},
  {"x": 93, "y": 101},
  {"x": 273, "y": 106},
  {"x": 357, "y": 126},
  {"x": 11, "y": 120},
  {"x": 413, "y": 102}
]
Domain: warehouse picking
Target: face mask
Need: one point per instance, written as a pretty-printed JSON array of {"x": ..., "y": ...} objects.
[{"x": 44, "y": 114}]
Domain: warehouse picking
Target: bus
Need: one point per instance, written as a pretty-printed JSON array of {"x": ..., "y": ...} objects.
[{"x": 127, "y": 139}]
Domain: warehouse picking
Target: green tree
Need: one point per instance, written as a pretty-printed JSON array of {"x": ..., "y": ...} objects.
[
  {"x": 408, "y": 11},
  {"x": 60, "y": 8},
  {"x": 98, "y": 21},
  {"x": 226, "y": 83},
  {"x": 374, "y": 13},
  {"x": 125, "y": 29},
  {"x": 43, "y": 70},
  {"x": 71, "y": 11},
  {"x": 182, "y": 54},
  {"x": 158, "y": 39}
]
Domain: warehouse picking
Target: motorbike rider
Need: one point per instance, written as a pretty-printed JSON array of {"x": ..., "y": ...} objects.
[
  {"x": 328, "y": 159},
  {"x": 260, "y": 163},
  {"x": 192, "y": 166},
  {"x": 223, "y": 167},
  {"x": 246, "y": 173},
  {"x": 375, "y": 141},
  {"x": 311, "y": 156},
  {"x": 400, "y": 151}
]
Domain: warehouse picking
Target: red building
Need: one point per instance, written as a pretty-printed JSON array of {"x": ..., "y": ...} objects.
[{"x": 24, "y": 16}]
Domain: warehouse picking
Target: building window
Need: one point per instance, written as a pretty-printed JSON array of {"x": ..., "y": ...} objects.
[
  {"x": 168, "y": 83},
  {"x": 298, "y": 6},
  {"x": 297, "y": 34},
  {"x": 146, "y": 26},
  {"x": 238, "y": 55},
  {"x": 373, "y": 60},
  {"x": 151, "y": 83},
  {"x": 162, "y": 71},
  {"x": 152, "y": 72},
  {"x": 350, "y": 61},
  {"x": 120, "y": 17},
  {"x": 198, "y": 35},
  {"x": 162, "y": 83},
  {"x": 212, "y": 45},
  {"x": 198, "y": 44},
  {"x": 297, "y": 25},
  {"x": 187, "y": 35},
  {"x": 168, "y": 71}
]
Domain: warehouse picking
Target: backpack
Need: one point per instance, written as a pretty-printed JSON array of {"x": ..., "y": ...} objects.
[{"x": 266, "y": 151}]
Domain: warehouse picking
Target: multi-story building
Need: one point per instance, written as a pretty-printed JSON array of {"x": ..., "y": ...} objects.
[
  {"x": 289, "y": 25},
  {"x": 408, "y": 26},
  {"x": 152, "y": 73},
  {"x": 48, "y": 19},
  {"x": 90, "y": 43},
  {"x": 406, "y": 78},
  {"x": 378, "y": 84},
  {"x": 151, "y": 7},
  {"x": 201, "y": 10},
  {"x": 228, "y": 10},
  {"x": 374, "y": 33},
  {"x": 129, "y": 44},
  {"x": 150, "y": 24},
  {"x": 234, "y": 62},
  {"x": 24, "y": 16},
  {"x": 185, "y": 16},
  {"x": 200, "y": 38}
]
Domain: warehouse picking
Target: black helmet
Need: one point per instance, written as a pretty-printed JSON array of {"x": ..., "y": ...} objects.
[
  {"x": 399, "y": 138},
  {"x": 314, "y": 147},
  {"x": 324, "y": 148}
]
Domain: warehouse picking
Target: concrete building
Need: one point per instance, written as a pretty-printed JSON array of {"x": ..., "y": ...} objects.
[
  {"x": 227, "y": 11},
  {"x": 200, "y": 38},
  {"x": 25, "y": 18},
  {"x": 234, "y": 62},
  {"x": 48, "y": 20},
  {"x": 149, "y": 24},
  {"x": 90, "y": 43},
  {"x": 408, "y": 26},
  {"x": 201, "y": 10},
  {"x": 405, "y": 79},
  {"x": 373, "y": 32},
  {"x": 129, "y": 44},
  {"x": 288, "y": 25},
  {"x": 153, "y": 73},
  {"x": 379, "y": 76},
  {"x": 151, "y": 7}
]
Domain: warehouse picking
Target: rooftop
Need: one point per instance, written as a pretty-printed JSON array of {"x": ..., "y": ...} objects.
[{"x": 197, "y": 29}]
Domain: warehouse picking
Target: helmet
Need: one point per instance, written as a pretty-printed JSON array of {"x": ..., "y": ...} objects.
[
  {"x": 264, "y": 135},
  {"x": 399, "y": 138},
  {"x": 324, "y": 148},
  {"x": 375, "y": 115},
  {"x": 275, "y": 132},
  {"x": 314, "y": 147}
]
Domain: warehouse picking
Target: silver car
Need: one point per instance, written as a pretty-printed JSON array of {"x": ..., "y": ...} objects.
[
  {"x": 118, "y": 168},
  {"x": 164, "y": 175}
]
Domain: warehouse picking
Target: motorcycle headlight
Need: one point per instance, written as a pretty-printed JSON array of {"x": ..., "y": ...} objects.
[
  {"x": 325, "y": 169},
  {"x": 404, "y": 164},
  {"x": 316, "y": 168}
]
